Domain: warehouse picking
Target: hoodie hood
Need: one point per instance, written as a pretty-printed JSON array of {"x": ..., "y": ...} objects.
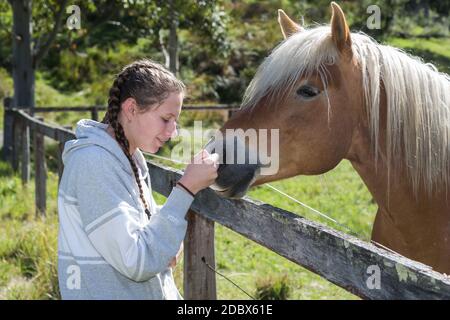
[{"x": 90, "y": 132}]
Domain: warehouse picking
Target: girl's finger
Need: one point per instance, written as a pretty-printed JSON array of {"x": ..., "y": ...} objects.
[{"x": 214, "y": 157}]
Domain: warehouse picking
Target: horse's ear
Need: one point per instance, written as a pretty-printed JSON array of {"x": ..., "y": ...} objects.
[
  {"x": 288, "y": 27},
  {"x": 340, "y": 32}
]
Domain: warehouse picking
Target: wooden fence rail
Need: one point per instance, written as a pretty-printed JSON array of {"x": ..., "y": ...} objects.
[
  {"x": 340, "y": 258},
  {"x": 95, "y": 109},
  {"x": 7, "y": 153}
]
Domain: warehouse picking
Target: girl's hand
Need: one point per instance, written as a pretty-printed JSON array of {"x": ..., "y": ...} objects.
[
  {"x": 176, "y": 259},
  {"x": 202, "y": 172}
]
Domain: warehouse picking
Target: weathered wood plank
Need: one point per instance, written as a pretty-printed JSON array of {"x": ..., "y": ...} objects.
[
  {"x": 72, "y": 109},
  {"x": 25, "y": 157},
  {"x": 8, "y": 119},
  {"x": 340, "y": 258},
  {"x": 199, "y": 280},
  {"x": 17, "y": 128},
  {"x": 40, "y": 174},
  {"x": 52, "y": 131},
  {"x": 103, "y": 108},
  {"x": 57, "y": 133},
  {"x": 94, "y": 113}
]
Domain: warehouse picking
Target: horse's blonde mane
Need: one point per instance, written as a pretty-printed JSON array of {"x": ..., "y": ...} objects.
[
  {"x": 299, "y": 56},
  {"x": 418, "y": 98}
]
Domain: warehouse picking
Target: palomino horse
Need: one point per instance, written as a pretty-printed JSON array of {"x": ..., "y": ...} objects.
[{"x": 337, "y": 95}]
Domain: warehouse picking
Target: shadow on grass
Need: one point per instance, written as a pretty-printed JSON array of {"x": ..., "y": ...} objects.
[{"x": 441, "y": 62}]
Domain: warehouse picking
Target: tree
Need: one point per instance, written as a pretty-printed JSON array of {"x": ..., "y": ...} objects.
[
  {"x": 26, "y": 57},
  {"x": 204, "y": 18},
  {"x": 28, "y": 52},
  {"x": 104, "y": 23}
]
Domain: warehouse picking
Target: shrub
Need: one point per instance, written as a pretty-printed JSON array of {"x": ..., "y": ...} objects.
[{"x": 270, "y": 288}]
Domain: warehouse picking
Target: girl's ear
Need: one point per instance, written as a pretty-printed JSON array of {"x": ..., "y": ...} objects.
[{"x": 129, "y": 108}]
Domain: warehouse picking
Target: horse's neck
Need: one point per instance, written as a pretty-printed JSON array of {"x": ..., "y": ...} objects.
[{"x": 417, "y": 227}]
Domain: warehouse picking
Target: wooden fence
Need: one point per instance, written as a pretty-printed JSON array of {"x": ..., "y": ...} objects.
[
  {"x": 94, "y": 110},
  {"x": 340, "y": 258}
]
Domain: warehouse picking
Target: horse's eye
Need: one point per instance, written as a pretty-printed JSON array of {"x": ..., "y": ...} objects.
[{"x": 308, "y": 91}]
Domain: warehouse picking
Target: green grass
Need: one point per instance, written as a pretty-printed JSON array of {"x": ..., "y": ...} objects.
[
  {"x": 48, "y": 96},
  {"x": 28, "y": 245},
  {"x": 433, "y": 50}
]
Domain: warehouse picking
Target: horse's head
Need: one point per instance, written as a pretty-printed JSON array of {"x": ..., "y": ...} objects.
[{"x": 309, "y": 89}]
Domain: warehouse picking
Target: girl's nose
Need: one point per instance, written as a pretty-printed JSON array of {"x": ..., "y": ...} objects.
[{"x": 173, "y": 130}]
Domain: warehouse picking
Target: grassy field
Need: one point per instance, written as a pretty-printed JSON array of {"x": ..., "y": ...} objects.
[
  {"x": 433, "y": 50},
  {"x": 28, "y": 244}
]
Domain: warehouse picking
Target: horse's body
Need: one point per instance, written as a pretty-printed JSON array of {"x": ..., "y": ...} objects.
[{"x": 335, "y": 95}]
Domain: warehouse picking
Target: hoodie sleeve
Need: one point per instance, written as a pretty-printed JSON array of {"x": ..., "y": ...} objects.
[{"x": 110, "y": 218}]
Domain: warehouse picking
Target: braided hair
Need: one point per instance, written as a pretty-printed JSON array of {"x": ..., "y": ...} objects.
[{"x": 149, "y": 84}]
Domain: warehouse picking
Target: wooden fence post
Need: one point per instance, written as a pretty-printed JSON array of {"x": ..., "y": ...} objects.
[
  {"x": 40, "y": 173},
  {"x": 230, "y": 113},
  {"x": 16, "y": 142},
  {"x": 94, "y": 113},
  {"x": 8, "y": 119},
  {"x": 199, "y": 280},
  {"x": 25, "y": 157}
]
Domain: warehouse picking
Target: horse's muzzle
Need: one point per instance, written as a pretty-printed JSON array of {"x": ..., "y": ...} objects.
[{"x": 236, "y": 173}]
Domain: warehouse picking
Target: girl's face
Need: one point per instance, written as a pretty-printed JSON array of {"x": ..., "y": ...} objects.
[{"x": 149, "y": 130}]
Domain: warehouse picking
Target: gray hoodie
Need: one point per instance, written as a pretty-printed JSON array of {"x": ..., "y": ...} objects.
[{"x": 107, "y": 247}]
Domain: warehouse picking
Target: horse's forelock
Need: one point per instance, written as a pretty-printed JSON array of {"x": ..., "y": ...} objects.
[{"x": 300, "y": 55}]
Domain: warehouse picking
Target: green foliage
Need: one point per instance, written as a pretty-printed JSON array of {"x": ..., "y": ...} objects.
[
  {"x": 221, "y": 42},
  {"x": 29, "y": 255},
  {"x": 230, "y": 88},
  {"x": 425, "y": 23},
  {"x": 5, "y": 34},
  {"x": 205, "y": 19},
  {"x": 273, "y": 288},
  {"x": 28, "y": 245},
  {"x": 6, "y": 90},
  {"x": 79, "y": 71},
  {"x": 6, "y": 84},
  {"x": 433, "y": 50},
  {"x": 69, "y": 66}
]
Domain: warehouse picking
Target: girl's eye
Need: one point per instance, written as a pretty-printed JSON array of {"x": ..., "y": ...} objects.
[
  {"x": 308, "y": 91},
  {"x": 165, "y": 120}
]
